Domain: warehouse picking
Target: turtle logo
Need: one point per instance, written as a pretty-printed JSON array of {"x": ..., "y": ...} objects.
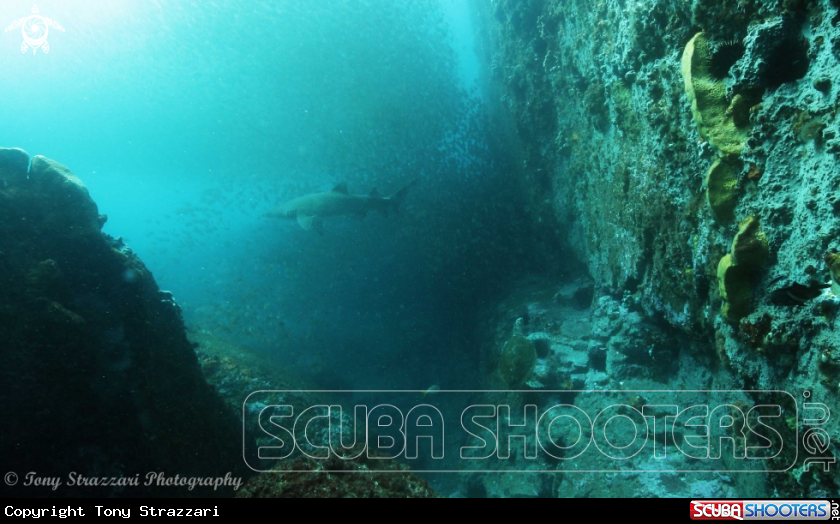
[{"x": 35, "y": 29}]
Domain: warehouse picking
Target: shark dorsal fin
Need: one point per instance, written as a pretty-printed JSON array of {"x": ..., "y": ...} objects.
[
  {"x": 374, "y": 193},
  {"x": 340, "y": 188}
]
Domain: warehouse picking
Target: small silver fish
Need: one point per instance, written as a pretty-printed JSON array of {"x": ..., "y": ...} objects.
[{"x": 431, "y": 391}]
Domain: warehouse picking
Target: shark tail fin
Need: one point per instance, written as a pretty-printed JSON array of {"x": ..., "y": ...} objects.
[{"x": 397, "y": 198}]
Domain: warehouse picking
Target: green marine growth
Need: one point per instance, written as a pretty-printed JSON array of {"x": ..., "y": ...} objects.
[
  {"x": 518, "y": 359},
  {"x": 719, "y": 122},
  {"x": 735, "y": 271},
  {"x": 722, "y": 190}
]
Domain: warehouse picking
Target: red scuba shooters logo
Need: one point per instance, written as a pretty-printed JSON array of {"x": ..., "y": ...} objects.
[
  {"x": 717, "y": 510},
  {"x": 760, "y": 510}
]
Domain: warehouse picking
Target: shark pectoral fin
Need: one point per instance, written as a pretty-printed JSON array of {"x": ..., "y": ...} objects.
[
  {"x": 396, "y": 200},
  {"x": 341, "y": 188},
  {"x": 309, "y": 222}
]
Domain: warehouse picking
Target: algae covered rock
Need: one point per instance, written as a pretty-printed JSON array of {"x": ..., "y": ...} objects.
[
  {"x": 65, "y": 199},
  {"x": 98, "y": 377},
  {"x": 722, "y": 190},
  {"x": 355, "y": 479},
  {"x": 519, "y": 356},
  {"x": 14, "y": 164},
  {"x": 712, "y": 111}
]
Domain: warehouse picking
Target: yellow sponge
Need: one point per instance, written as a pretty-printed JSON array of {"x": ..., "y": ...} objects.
[
  {"x": 722, "y": 190},
  {"x": 735, "y": 289},
  {"x": 713, "y": 114}
]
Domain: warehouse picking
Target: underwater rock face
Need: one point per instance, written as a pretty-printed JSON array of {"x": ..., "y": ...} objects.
[
  {"x": 98, "y": 377},
  {"x": 14, "y": 164},
  {"x": 645, "y": 183},
  {"x": 353, "y": 481},
  {"x": 236, "y": 372}
]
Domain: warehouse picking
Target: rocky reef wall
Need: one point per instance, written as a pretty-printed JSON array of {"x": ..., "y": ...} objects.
[
  {"x": 686, "y": 154},
  {"x": 97, "y": 376}
]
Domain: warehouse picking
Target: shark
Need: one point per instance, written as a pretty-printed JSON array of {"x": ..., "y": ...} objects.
[{"x": 309, "y": 210}]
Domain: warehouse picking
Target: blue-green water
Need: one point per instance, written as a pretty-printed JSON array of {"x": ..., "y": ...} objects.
[
  {"x": 624, "y": 209},
  {"x": 188, "y": 121}
]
